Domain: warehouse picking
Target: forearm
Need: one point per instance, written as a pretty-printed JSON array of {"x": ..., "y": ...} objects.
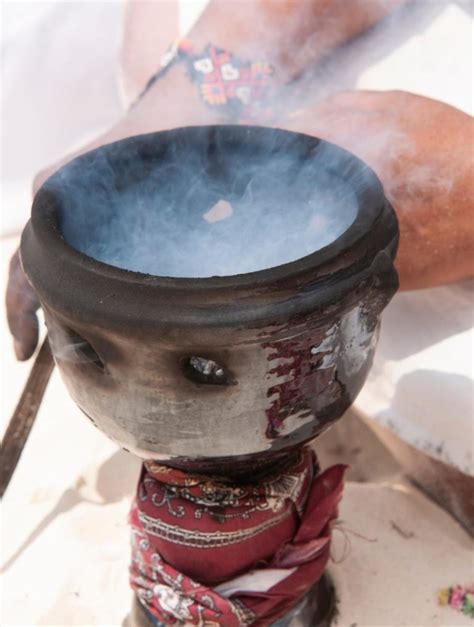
[{"x": 290, "y": 34}]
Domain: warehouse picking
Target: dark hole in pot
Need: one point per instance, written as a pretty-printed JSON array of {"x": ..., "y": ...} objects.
[
  {"x": 203, "y": 370},
  {"x": 79, "y": 350}
]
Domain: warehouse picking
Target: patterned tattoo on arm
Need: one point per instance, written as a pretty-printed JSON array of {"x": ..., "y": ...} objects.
[{"x": 237, "y": 88}]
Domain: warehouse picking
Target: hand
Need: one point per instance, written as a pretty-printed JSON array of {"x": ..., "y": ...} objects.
[
  {"x": 22, "y": 305},
  {"x": 421, "y": 151}
]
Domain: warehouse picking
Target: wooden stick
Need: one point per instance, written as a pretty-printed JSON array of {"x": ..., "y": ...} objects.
[{"x": 24, "y": 415}]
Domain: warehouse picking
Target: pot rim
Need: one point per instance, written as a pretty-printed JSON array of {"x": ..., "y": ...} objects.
[{"x": 43, "y": 243}]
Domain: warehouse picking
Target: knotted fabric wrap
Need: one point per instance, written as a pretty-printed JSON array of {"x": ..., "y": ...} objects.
[{"x": 208, "y": 551}]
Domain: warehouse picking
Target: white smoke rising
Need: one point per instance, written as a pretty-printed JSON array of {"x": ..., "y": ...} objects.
[
  {"x": 152, "y": 216},
  {"x": 162, "y": 222}
]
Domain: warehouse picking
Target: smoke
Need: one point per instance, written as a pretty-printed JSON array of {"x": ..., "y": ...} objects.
[
  {"x": 189, "y": 215},
  {"x": 69, "y": 347},
  {"x": 210, "y": 206}
]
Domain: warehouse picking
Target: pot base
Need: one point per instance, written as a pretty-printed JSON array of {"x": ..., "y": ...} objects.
[{"x": 316, "y": 609}]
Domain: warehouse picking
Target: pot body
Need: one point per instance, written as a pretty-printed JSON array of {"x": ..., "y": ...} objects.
[
  {"x": 222, "y": 370},
  {"x": 286, "y": 381}
]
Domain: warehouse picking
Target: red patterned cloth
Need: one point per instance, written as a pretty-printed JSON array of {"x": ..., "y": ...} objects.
[{"x": 207, "y": 551}]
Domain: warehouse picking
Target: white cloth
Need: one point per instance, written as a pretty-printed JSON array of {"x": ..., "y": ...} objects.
[
  {"x": 420, "y": 385},
  {"x": 59, "y": 87}
]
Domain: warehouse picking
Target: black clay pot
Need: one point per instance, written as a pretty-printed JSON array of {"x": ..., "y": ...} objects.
[{"x": 216, "y": 369}]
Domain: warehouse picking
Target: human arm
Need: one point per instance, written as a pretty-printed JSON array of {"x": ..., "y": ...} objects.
[
  {"x": 290, "y": 34},
  {"x": 422, "y": 151}
]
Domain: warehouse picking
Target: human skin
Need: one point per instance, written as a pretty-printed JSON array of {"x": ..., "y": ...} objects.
[
  {"x": 290, "y": 34},
  {"x": 421, "y": 150}
]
